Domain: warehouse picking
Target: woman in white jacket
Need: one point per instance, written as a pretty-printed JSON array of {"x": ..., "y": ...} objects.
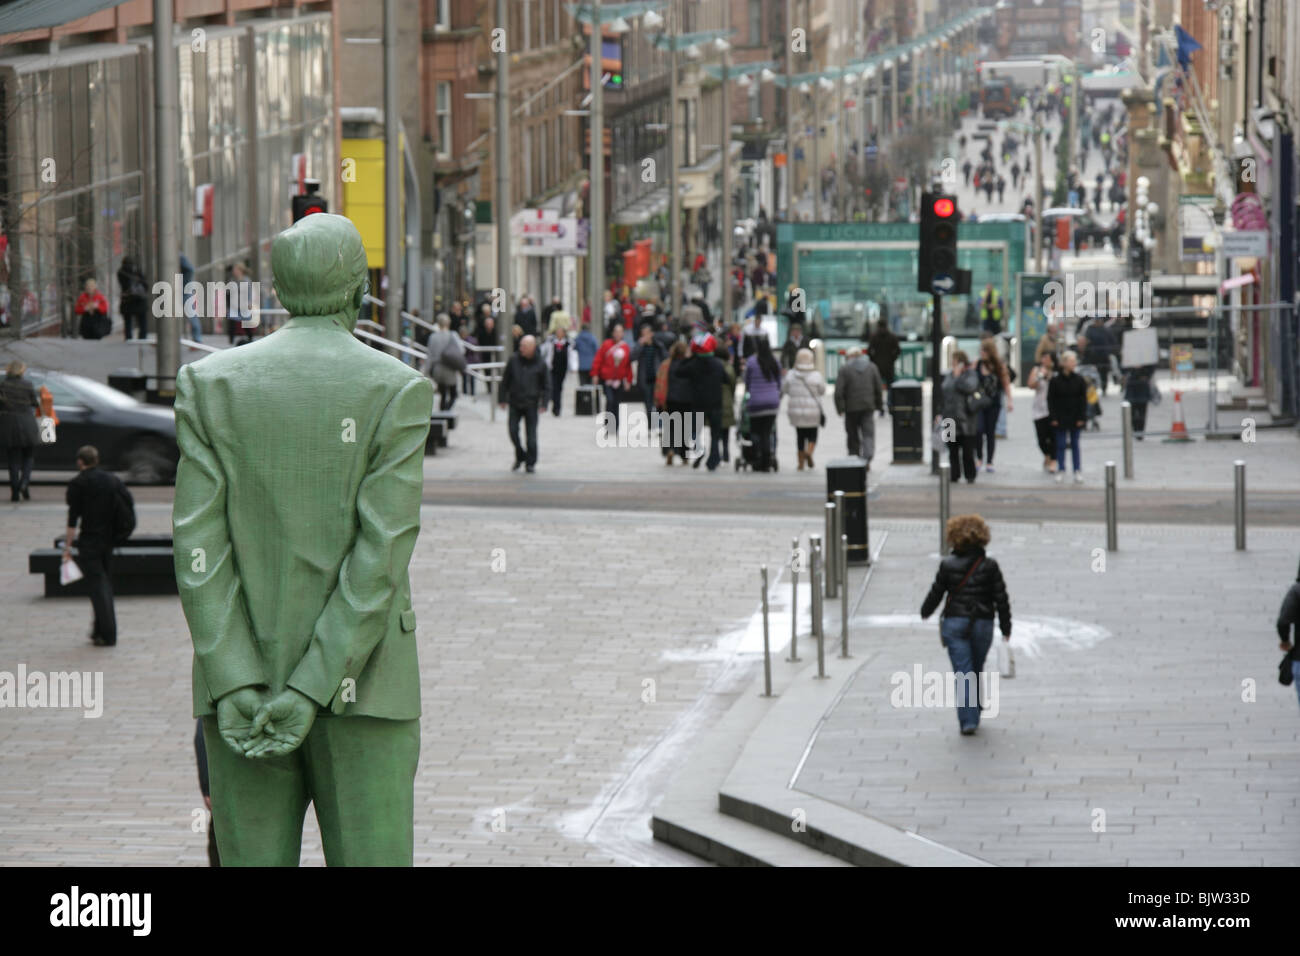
[{"x": 805, "y": 388}]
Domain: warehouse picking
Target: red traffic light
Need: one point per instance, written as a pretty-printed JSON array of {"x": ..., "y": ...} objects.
[
  {"x": 312, "y": 209},
  {"x": 943, "y": 208}
]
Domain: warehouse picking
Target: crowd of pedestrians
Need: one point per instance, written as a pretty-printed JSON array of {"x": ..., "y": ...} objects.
[{"x": 726, "y": 380}]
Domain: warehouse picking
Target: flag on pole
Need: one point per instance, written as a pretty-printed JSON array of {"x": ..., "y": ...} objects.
[{"x": 1187, "y": 45}]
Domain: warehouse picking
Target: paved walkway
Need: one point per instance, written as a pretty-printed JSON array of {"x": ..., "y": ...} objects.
[
  {"x": 1145, "y": 699},
  {"x": 536, "y": 686},
  {"x": 569, "y": 449}
]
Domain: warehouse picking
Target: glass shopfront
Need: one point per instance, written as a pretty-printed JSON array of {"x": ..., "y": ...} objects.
[{"x": 76, "y": 159}]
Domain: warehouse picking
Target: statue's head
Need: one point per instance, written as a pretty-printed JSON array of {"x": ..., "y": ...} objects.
[{"x": 319, "y": 267}]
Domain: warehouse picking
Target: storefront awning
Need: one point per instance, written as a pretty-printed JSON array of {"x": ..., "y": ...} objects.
[{"x": 646, "y": 208}]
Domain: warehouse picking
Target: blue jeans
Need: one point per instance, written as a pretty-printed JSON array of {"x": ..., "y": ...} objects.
[
  {"x": 1067, "y": 436},
  {"x": 968, "y": 643},
  {"x": 986, "y": 433}
]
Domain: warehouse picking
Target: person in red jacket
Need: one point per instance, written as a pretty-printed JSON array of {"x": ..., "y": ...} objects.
[
  {"x": 93, "y": 309},
  {"x": 612, "y": 366}
]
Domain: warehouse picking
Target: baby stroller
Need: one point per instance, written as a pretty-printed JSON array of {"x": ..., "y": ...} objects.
[
  {"x": 1092, "y": 378},
  {"x": 747, "y": 460}
]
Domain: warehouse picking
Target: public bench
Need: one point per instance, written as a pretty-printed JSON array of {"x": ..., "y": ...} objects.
[{"x": 143, "y": 565}]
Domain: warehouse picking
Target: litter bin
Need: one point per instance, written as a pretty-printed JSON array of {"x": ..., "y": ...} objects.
[
  {"x": 849, "y": 475},
  {"x": 587, "y": 400},
  {"x": 909, "y": 431}
]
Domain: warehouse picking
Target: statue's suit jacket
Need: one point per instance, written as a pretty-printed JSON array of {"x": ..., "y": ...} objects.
[{"x": 296, "y": 511}]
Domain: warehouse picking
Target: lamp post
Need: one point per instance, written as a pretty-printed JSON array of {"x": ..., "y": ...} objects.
[
  {"x": 893, "y": 95},
  {"x": 814, "y": 90},
  {"x": 743, "y": 75},
  {"x": 596, "y": 14},
  {"x": 166, "y": 122},
  {"x": 501, "y": 190},
  {"x": 726, "y": 170},
  {"x": 1038, "y": 191},
  {"x": 596, "y": 187},
  {"x": 789, "y": 114}
]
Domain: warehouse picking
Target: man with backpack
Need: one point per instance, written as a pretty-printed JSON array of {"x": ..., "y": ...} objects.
[{"x": 106, "y": 511}]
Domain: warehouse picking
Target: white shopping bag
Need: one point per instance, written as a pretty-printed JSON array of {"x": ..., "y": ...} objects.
[
  {"x": 69, "y": 572},
  {"x": 1006, "y": 660}
]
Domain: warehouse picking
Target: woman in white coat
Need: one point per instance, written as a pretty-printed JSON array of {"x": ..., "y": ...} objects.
[{"x": 805, "y": 387}]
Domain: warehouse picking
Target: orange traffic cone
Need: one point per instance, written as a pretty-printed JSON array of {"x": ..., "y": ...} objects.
[{"x": 1178, "y": 431}]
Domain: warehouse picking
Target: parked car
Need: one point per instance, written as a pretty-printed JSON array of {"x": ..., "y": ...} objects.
[{"x": 132, "y": 437}]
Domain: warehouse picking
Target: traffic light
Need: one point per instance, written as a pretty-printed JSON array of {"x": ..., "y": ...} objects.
[
  {"x": 308, "y": 203},
  {"x": 937, "y": 259}
]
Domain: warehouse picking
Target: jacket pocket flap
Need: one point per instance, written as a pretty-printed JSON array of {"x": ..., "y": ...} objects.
[{"x": 408, "y": 620}]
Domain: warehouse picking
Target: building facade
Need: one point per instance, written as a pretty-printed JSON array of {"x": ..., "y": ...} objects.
[{"x": 77, "y": 174}]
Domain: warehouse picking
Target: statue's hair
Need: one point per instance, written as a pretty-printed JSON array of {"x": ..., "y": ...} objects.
[{"x": 318, "y": 264}]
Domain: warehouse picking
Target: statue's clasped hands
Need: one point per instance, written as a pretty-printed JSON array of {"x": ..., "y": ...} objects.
[{"x": 256, "y": 724}]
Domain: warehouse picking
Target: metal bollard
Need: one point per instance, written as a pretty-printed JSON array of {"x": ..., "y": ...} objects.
[
  {"x": 866, "y": 521},
  {"x": 1112, "y": 537},
  {"x": 943, "y": 507},
  {"x": 767, "y": 652},
  {"x": 817, "y": 623},
  {"x": 841, "y": 556},
  {"x": 794, "y": 601},
  {"x": 844, "y": 594},
  {"x": 1239, "y": 502},
  {"x": 1126, "y": 418},
  {"x": 828, "y": 559}
]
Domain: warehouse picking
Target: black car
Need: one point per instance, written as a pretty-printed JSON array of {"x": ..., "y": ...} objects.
[{"x": 131, "y": 436}]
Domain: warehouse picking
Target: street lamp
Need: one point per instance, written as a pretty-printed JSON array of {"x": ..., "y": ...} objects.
[{"x": 617, "y": 15}]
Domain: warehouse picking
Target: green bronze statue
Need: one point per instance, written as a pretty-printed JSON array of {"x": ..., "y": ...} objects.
[{"x": 297, "y": 508}]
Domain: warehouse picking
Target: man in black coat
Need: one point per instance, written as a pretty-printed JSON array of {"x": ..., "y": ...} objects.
[
  {"x": 135, "y": 298},
  {"x": 1098, "y": 342},
  {"x": 1067, "y": 409},
  {"x": 884, "y": 349},
  {"x": 1288, "y": 620},
  {"x": 648, "y": 354},
  {"x": 19, "y": 433},
  {"x": 793, "y": 343},
  {"x": 706, "y": 375},
  {"x": 548, "y": 311},
  {"x": 525, "y": 388},
  {"x": 526, "y": 316},
  {"x": 92, "y": 498}
]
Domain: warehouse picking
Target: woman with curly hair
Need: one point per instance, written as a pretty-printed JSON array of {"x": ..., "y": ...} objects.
[{"x": 973, "y": 582}]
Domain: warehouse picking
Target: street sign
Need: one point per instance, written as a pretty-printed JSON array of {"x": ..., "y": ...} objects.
[
  {"x": 942, "y": 283},
  {"x": 544, "y": 232},
  {"x": 1252, "y": 243}
]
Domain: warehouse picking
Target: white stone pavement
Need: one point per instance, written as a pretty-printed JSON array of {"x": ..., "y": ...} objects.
[
  {"x": 569, "y": 449},
  {"x": 1144, "y": 726},
  {"x": 535, "y": 694}
]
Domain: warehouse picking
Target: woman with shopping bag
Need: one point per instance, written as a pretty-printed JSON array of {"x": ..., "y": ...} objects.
[{"x": 975, "y": 588}]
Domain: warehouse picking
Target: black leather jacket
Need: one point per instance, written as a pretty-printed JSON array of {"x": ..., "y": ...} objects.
[{"x": 983, "y": 593}]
